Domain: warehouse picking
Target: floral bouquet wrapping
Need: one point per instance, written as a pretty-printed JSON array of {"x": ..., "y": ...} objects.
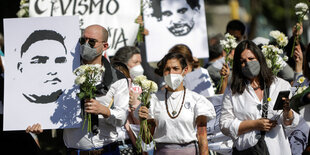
[
  {"x": 296, "y": 100},
  {"x": 301, "y": 10},
  {"x": 148, "y": 87},
  {"x": 87, "y": 77},
  {"x": 228, "y": 44}
]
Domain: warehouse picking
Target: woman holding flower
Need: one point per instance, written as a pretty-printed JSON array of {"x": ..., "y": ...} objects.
[
  {"x": 241, "y": 117},
  {"x": 177, "y": 111}
]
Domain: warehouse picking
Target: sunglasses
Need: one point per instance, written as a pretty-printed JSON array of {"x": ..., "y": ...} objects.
[{"x": 92, "y": 42}]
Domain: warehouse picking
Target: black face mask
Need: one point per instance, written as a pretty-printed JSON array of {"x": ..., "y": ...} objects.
[{"x": 251, "y": 69}]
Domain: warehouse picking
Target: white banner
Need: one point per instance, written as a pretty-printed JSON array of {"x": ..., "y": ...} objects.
[
  {"x": 175, "y": 22},
  {"x": 40, "y": 56},
  {"x": 117, "y": 16}
]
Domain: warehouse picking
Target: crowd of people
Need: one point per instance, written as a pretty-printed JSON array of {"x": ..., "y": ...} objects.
[{"x": 179, "y": 111}]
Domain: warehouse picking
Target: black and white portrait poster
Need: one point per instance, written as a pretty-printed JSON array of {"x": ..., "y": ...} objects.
[
  {"x": 117, "y": 16},
  {"x": 173, "y": 22},
  {"x": 40, "y": 56}
]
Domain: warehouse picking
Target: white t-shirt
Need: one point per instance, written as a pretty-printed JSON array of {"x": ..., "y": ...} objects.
[
  {"x": 183, "y": 128},
  {"x": 80, "y": 139},
  {"x": 237, "y": 108}
]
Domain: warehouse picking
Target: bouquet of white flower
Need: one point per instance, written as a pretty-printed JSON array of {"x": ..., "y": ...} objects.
[
  {"x": 273, "y": 58},
  {"x": 301, "y": 10},
  {"x": 280, "y": 38},
  {"x": 87, "y": 77},
  {"x": 148, "y": 87},
  {"x": 228, "y": 44}
]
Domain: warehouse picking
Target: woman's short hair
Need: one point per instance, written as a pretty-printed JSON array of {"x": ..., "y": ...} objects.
[
  {"x": 171, "y": 55},
  {"x": 187, "y": 53},
  {"x": 238, "y": 79},
  {"x": 124, "y": 54}
]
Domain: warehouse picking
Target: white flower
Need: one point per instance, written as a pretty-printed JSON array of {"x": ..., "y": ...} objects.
[
  {"x": 229, "y": 43},
  {"x": 269, "y": 65},
  {"x": 275, "y": 34},
  {"x": 305, "y": 17},
  {"x": 154, "y": 87},
  {"x": 285, "y": 58},
  {"x": 301, "y": 80},
  {"x": 301, "y": 7},
  {"x": 145, "y": 85},
  {"x": 138, "y": 79},
  {"x": 80, "y": 80}
]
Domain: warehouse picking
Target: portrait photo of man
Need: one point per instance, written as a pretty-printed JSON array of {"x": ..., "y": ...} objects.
[
  {"x": 176, "y": 16},
  {"x": 175, "y": 22},
  {"x": 36, "y": 59},
  {"x": 41, "y": 55}
]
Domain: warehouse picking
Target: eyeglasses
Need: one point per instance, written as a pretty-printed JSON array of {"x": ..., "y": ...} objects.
[{"x": 92, "y": 42}]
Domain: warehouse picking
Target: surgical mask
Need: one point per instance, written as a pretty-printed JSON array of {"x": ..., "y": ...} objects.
[
  {"x": 173, "y": 80},
  {"x": 136, "y": 71},
  {"x": 251, "y": 69},
  {"x": 88, "y": 53}
]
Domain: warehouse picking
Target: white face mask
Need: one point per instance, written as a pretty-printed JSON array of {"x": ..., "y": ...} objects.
[
  {"x": 136, "y": 71},
  {"x": 173, "y": 80}
]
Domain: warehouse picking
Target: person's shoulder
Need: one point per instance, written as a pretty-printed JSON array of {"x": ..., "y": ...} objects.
[
  {"x": 195, "y": 95},
  {"x": 121, "y": 82},
  {"x": 281, "y": 82}
]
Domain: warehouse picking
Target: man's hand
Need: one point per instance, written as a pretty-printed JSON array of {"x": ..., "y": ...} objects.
[
  {"x": 92, "y": 106},
  {"x": 35, "y": 128}
]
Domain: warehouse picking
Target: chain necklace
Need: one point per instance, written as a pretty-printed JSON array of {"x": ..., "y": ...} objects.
[{"x": 174, "y": 113}]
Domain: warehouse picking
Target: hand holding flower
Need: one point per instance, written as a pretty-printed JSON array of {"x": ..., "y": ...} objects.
[
  {"x": 143, "y": 112},
  {"x": 92, "y": 106}
]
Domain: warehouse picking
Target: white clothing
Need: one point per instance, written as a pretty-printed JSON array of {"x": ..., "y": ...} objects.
[
  {"x": 240, "y": 107},
  {"x": 181, "y": 129},
  {"x": 80, "y": 139},
  {"x": 200, "y": 82}
]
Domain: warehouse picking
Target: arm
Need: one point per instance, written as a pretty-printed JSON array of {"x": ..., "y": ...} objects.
[
  {"x": 261, "y": 124},
  {"x": 201, "y": 122}
]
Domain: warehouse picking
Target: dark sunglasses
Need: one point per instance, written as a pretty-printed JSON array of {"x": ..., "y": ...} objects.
[{"x": 92, "y": 42}]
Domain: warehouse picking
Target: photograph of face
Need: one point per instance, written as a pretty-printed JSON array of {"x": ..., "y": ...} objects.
[
  {"x": 176, "y": 16},
  {"x": 43, "y": 68},
  {"x": 298, "y": 142}
]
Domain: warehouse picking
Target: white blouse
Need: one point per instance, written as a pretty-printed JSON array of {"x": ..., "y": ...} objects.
[
  {"x": 183, "y": 128},
  {"x": 80, "y": 139},
  {"x": 239, "y": 107}
]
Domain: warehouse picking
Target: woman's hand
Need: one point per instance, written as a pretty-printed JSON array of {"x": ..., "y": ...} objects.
[
  {"x": 288, "y": 115},
  {"x": 35, "y": 128},
  {"x": 225, "y": 71},
  {"x": 92, "y": 106},
  {"x": 298, "y": 57},
  {"x": 143, "y": 112},
  {"x": 133, "y": 100},
  {"x": 264, "y": 124}
]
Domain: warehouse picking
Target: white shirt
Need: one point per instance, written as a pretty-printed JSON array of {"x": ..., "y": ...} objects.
[
  {"x": 80, "y": 139},
  {"x": 239, "y": 107},
  {"x": 181, "y": 129}
]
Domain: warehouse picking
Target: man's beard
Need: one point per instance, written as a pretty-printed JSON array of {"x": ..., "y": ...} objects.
[
  {"x": 180, "y": 29},
  {"x": 43, "y": 99}
]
